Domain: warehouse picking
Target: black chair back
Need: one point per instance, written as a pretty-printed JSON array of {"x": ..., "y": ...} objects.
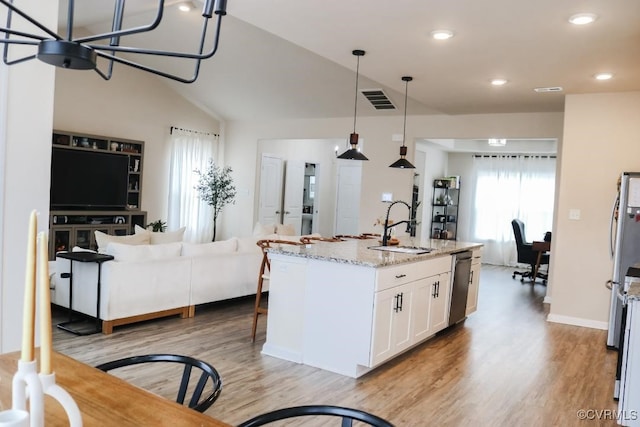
[
  {"x": 209, "y": 379},
  {"x": 526, "y": 254},
  {"x": 347, "y": 415}
]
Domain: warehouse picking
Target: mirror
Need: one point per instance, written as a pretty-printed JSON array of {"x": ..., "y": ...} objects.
[{"x": 308, "y": 199}]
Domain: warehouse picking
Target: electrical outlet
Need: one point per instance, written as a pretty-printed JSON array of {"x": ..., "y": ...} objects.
[
  {"x": 387, "y": 197},
  {"x": 574, "y": 214}
]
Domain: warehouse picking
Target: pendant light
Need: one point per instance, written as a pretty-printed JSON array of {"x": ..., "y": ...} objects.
[
  {"x": 403, "y": 163},
  {"x": 353, "y": 153}
]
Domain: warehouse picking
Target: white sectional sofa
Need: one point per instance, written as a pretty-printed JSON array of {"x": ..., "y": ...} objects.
[{"x": 147, "y": 281}]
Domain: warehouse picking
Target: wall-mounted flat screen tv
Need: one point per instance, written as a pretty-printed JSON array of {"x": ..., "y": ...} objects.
[{"x": 83, "y": 179}]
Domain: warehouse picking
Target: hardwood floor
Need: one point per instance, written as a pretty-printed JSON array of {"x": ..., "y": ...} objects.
[{"x": 505, "y": 366}]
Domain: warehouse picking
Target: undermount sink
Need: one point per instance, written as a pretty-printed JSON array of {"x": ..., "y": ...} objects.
[{"x": 403, "y": 249}]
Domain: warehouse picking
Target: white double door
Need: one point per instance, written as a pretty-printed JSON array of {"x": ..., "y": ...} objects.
[{"x": 281, "y": 191}]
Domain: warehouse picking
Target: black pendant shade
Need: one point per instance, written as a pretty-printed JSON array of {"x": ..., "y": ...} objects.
[
  {"x": 353, "y": 153},
  {"x": 402, "y": 162}
]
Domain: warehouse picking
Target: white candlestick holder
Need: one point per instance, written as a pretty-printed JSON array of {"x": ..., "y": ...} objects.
[
  {"x": 52, "y": 389},
  {"x": 29, "y": 386}
]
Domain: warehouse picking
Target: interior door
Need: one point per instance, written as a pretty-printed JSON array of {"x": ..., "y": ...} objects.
[
  {"x": 270, "y": 190},
  {"x": 348, "y": 197},
  {"x": 293, "y": 194}
]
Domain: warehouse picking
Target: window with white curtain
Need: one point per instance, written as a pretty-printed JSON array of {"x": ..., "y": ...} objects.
[
  {"x": 508, "y": 187},
  {"x": 190, "y": 150}
]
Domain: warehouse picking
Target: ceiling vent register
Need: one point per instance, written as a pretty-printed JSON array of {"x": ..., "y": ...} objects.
[{"x": 378, "y": 99}]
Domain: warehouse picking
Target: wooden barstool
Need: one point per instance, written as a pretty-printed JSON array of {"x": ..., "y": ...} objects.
[
  {"x": 265, "y": 268},
  {"x": 370, "y": 235},
  {"x": 310, "y": 239}
]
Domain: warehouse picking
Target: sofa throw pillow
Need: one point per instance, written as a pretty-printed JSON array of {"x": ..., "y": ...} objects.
[
  {"x": 103, "y": 239},
  {"x": 157, "y": 238},
  {"x": 263, "y": 229},
  {"x": 132, "y": 253},
  {"x": 286, "y": 230},
  {"x": 213, "y": 248}
]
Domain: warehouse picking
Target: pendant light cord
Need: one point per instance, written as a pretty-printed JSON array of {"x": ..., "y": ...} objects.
[
  {"x": 404, "y": 129},
  {"x": 355, "y": 107}
]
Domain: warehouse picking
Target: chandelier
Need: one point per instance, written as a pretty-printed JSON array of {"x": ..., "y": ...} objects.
[{"x": 82, "y": 53}]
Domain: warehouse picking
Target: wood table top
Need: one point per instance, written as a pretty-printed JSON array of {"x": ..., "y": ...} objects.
[{"x": 103, "y": 399}]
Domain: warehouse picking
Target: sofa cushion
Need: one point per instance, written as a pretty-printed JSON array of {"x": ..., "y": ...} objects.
[
  {"x": 131, "y": 253},
  {"x": 286, "y": 230},
  {"x": 263, "y": 229},
  {"x": 103, "y": 239},
  {"x": 212, "y": 248},
  {"x": 157, "y": 238}
]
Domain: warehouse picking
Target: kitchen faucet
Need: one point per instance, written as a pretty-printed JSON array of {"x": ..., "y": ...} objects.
[{"x": 409, "y": 222}]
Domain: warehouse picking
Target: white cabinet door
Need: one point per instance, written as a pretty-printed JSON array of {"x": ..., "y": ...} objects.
[
  {"x": 392, "y": 323},
  {"x": 439, "y": 307},
  {"x": 293, "y": 194},
  {"x": 270, "y": 190},
  {"x": 348, "y": 197},
  {"x": 421, "y": 299},
  {"x": 474, "y": 282}
]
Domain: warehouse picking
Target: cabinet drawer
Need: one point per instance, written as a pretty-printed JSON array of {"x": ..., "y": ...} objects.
[
  {"x": 435, "y": 266},
  {"x": 476, "y": 256},
  {"x": 404, "y": 273},
  {"x": 389, "y": 277}
]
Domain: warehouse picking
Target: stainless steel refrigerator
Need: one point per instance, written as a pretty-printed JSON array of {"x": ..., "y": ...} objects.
[{"x": 625, "y": 247}]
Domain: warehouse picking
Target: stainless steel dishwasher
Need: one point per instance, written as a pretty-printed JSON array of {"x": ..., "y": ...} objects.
[{"x": 460, "y": 286}]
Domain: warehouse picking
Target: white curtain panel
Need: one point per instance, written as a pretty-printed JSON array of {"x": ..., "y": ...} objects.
[
  {"x": 508, "y": 187},
  {"x": 190, "y": 151}
]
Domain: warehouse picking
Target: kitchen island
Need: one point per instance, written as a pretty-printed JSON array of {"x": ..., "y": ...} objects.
[{"x": 347, "y": 308}]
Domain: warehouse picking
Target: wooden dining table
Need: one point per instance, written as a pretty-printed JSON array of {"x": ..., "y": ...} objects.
[{"x": 104, "y": 400}]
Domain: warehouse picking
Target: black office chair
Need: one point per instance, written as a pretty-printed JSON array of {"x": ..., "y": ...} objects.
[
  {"x": 208, "y": 377},
  {"x": 347, "y": 415},
  {"x": 526, "y": 254}
]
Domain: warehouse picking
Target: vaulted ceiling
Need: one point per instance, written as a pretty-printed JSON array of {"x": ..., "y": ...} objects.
[{"x": 292, "y": 58}]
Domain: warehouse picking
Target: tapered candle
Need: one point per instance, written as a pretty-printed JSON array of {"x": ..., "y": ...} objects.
[
  {"x": 29, "y": 308},
  {"x": 46, "y": 340}
]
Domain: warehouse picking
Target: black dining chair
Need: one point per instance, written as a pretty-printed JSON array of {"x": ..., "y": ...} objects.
[
  {"x": 203, "y": 395},
  {"x": 347, "y": 415}
]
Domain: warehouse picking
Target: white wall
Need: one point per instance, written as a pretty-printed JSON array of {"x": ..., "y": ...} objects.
[
  {"x": 242, "y": 139},
  {"x": 435, "y": 166},
  {"x": 133, "y": 105},
  {"x": 461, "y": 164},
  {"x": 26, "y": 110},
  {"x": 601, "y": 140}
]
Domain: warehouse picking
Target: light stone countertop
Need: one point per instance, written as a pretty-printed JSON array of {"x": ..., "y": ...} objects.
[
  {"x": 357, "y": 252},
  {"x": 634, "y": 291}
]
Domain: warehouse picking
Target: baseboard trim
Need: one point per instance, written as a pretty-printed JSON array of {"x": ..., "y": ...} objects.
[{"x": 577, "y": 321}]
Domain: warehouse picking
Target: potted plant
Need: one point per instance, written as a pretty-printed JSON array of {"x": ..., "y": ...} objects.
[
  {"x": 215, "y": 186},
  {"x": 158, "y": 226}
]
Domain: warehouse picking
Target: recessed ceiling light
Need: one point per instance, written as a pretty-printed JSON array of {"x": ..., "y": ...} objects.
[
  {"x": 498, "y": 82},
  {"x": 583, "y": 18},
  {"x": 186, "y": 6},
  {"x": 441, "y": 34},
  {"x": 603, "y": 76}
]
